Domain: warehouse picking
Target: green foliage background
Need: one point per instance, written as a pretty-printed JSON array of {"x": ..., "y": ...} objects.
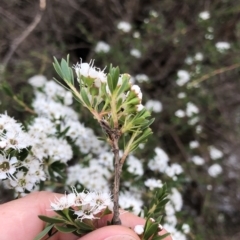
[{"x": 74, "y": 27}]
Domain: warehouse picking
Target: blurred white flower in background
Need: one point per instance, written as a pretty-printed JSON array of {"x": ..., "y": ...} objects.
[
  {"x": 181, "y": 95},
  {"x": 215, "y": 153},
  {"x": 205, "y": 15},
  {"x": 191, "y": 109},
  {"x": 135, "y": 53},
  {"x": 124, "y": 26},
  {"x": 214, "y": 170},
  {"x": 222, "y": 46},
  {"x": 102, "y": 47},
  {"x": 180, "y": 113},
  {"x": 194, "y": 144},
  {"x": 183, "y": 77},
  {"x": 197, "y": 160},
  {"x": 198, "y": 56},
  {"x": 189, "y": 60},
  {"x": 152, "y": 183},
  {"x": 37, "y": 80},
  {"x": 154, "y": 105},
  {"x": 186, "y": 228},
  {"x": 136, "y": 34},
  {"x": 142, "y": 78}
]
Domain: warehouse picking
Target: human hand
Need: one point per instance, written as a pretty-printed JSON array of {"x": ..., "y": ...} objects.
[{"x": 19, "y": 220}]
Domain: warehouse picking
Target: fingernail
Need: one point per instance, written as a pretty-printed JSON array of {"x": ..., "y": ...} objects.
[{"x": 121, "y": 237}]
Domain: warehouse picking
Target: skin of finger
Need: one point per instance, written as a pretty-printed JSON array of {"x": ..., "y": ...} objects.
[
  {"x": 129, "y": 220},
  {"x": 19, "y": 218},
  {"x": 104, "y": 232}
]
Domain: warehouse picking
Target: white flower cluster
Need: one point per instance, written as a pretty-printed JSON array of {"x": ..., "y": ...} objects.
[
  {"x": 12, "y": 135},
  {"x": 191, "y": 111},
  {"x": 172, "y": 207},
  {"x": 86, "y": 205},
  {"x": 87, "y": 71},
  {"x": 160, "y": 163},
  {"x": 19, "y": 174}
]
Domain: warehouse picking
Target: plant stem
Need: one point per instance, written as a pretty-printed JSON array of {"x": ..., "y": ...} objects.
[
  {"x": 116, "y": 185},
  {"x": 114, "y": 135}
]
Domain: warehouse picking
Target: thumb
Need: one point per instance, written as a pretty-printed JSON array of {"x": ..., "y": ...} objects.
[{"x": 114, "y": 232}]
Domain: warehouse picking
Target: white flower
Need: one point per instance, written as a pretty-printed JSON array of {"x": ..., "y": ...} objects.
[
  {"x": 136, "y": 35},
  {"x": 142, "y": 78},
  {"x": 215, "y": 153},
  {"x": 160, "y": 161},
  {"x": 102, "y": 47},
  {"x": 197, "y": 160},
  {"x": 194, "y": 144},
  {"x": 198, "y": 56},
  {"x": 204, "y": 15},
  {"x": 139, "y": 229},
  {"x": 176, "y": 199},
  {"x": 37, "y": 81},
  {"x": 181, "y": 95},
  {"x": 137, "y": 90},
  {"x": 154, "y": 105},
  {"x": 173, "y": 170},
  {"x": 22, "y": 181},
  {"x": 199, "y": 129},
  {"x": 186, "y": 228},
  {"x": 191, "y": 109},
  {"x": 183, "y": 77},
  {"x": 152, "y": 183},
  {"x": 124, "y": 26},
  {"x": 189, "y": 60},
  {"x": 214, "y": 170},
  {"x": 193, "y": 121},
  {"x": 134, "y": 166},
  {"x": 180, "y": 113},
  {"x": 135, "y": 53},
  {"x": 129, "y": 200},
  {"x": 140, "y": 107},
  {"x": 222, "y": 46},
  {"x": 7, "y": 166},
  {"x": 89, "y": 71},
  {"x": 64, "y": 202}
]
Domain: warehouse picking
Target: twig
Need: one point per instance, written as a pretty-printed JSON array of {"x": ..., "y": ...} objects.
[
  {"x": 22, "y": 104},
  {"x": 114, "y": 135},
  {"x": 214, "y": 73},
  {"x": 17, "y": 41}
]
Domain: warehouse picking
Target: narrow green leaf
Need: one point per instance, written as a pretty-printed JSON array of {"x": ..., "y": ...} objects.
[
  {"x": 65, "y": 229},
  {"x": 83, "y": 226},
  {"x": 110, "y": 83},
  {"x": 85, "y": 97},
  {"x": 115, "y": 75},
  {"x": 44, "y": 232},
  {"x": 7, "y": 89},
  {"x": 51, "y": 219},
  {"x": 57, "y": 67},
  {"x": 65, "y": 70}
]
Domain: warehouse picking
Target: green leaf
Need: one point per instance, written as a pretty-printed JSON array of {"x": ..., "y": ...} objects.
[
  {"x": 151, "y": 230},
  {"x": 65, "y": 229},
  {"x": 110, "y": 82},
  {"x": 65, "y": 71},
  {"x": 51, "y": 219},
  {"x": 115, "y": 75},
  {"x": 83, "y": 226},
  {"x": 44, "y": 232},
  {"x": 7, "y": 89},
  {"x": 124, "y": 87},
  {"x": 57, "y": 68},
  {"x": 85, "y": 97}
]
